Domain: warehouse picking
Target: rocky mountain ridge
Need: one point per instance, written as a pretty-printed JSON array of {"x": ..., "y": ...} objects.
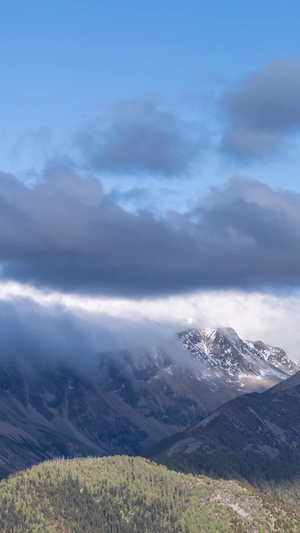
[
  {"x": 235, "y": 360},
  {"x": 261, "y": 422},
  {"x": 125, "y": 403},
  {"x": 274, "y": 356},
  {"x": 254, "y": 437}
]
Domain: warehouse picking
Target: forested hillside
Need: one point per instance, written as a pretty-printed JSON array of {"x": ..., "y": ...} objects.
[{"x": 125, "y": 495}]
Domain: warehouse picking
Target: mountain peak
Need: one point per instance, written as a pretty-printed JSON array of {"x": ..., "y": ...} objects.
[
  {"x": 230, "y": 333},
  {"x": 274, "y": 356},
  {"x": 234, "y": 360}
]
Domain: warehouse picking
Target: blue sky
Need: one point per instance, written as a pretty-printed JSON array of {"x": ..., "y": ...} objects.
[
  {"x": 149, "y": 151},
  {"x": 63, "y": 64}
]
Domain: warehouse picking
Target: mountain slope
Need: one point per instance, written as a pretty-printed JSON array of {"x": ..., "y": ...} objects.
[
  {"x": 254, "y": 437},
  {"x": 122, "y": 494},
  {"x": 123, "y": 403}
]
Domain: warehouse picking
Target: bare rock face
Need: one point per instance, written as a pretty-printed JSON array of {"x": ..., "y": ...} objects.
[{"x": 126, "y": 401}]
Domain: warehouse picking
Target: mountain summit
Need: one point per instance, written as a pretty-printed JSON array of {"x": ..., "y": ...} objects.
[{"x": 245, "y": 364}]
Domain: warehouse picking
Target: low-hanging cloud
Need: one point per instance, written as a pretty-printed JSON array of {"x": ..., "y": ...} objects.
[
  {"x": 139, "y": 137},
  {"x": 39, "y": 328},
  {"x": 264, "y": 112},
  {"x": 37, "y": 336},
  {"x": 66, "y": 234}
]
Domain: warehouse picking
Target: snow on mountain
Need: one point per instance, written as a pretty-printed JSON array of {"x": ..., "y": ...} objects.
[
  {"x": 234, "y": 360},
  {"x": 131, "y": 399},
  {"x": 274, "y": 356}
]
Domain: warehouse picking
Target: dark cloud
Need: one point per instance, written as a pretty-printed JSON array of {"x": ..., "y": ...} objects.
[
  {"x": 139, "y": 137},
  {"x": 136, "y": 195},
  {"x": 33, "y": 336},
  {"x": 66, "y": 234},
  {"x": 264, "y": 111},
  {"x": 36, "y": 337}
]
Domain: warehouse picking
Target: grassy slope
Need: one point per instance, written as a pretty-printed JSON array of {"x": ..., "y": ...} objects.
[{"x": 125, "y": 495}]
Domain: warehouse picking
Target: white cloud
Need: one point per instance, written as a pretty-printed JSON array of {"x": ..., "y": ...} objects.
[{"x": 256, "y": 316}]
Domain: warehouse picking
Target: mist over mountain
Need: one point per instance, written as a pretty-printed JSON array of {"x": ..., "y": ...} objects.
[{"x": 122, "y": 401}]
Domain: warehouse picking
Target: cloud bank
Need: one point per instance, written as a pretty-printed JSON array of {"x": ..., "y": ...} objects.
[
  {"x": 68, "y": 235},
  {"x": 40, "y": 326}
]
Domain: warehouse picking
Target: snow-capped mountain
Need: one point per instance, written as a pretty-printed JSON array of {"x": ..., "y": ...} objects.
[
  {"x": 274, "y": 356},
  {"x": 128, "y": 401},
  {"x": 243, "y": 363}
]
